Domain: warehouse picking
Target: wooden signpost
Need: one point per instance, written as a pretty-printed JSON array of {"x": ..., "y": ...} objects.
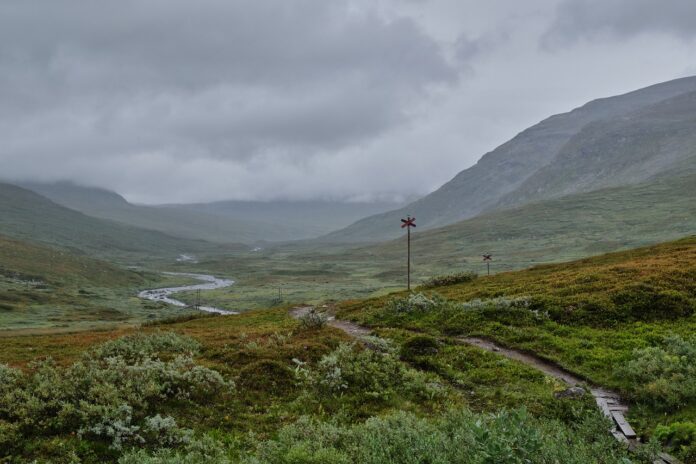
[
  {"x": 407, "y": 224},
  {"x": 487, "y": 259}
]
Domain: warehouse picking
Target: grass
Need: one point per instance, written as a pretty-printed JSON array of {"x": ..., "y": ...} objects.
[
  {"x": 44, "y": 288},
  {"x": 258, "y": 351},
  {"x": 588, "y": 315},
  {"x": 564, "y": 229}
]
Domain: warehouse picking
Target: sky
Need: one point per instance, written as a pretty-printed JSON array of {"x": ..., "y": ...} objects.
[{"x": 353, "y": 100}]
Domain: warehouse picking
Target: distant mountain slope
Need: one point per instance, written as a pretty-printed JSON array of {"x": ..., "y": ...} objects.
[
  {"x": 221, "y": 222},
  {"x": 546, "y": 153},
  {"x": 28, "y": 261},
  {"x": 570, "y": 227},
  {"x": 309, "y": 218},
  {"x": 29, "y": 216},
  {"x": 658, "y": 139}
]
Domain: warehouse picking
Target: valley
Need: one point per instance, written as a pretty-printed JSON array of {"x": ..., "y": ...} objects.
[{"x": 281, "y": 331}]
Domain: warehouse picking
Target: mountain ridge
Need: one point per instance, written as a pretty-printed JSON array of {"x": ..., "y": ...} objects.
[{"x": 502, "y": 171}]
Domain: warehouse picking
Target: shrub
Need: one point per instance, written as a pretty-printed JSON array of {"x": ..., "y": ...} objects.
[
  {"x": 451, "y": 279},
  {"x": 198, "y": 451},
  {"x": 267, "y": 375},
  {"x": 111, "y": 393},
  {"x": 371, "y": 375},
  {"x": 313, "y": 319},
  {"x": 415, "y": 302},
  {"x": 646, "y": 303},
  {"x": 140, "y": 346},
  {"x": 509, "y": 437},
  {"x": 664, "y": 376},
  {"x": 418, "y": 347},
  {"x": 680, "y": 437}
]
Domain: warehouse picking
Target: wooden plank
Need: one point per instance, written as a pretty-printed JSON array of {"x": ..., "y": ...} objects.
[
  {"x": 669, "y": 459},
  {"x": 623, "y": 424},
  {"x": 602, "y": 403}
]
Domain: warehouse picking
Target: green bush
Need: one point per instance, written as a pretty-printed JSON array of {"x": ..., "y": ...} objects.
[
  {"x": 141, "y": 345},
  {"x": 268, "y": 376},
  {"x": 364, "y": 373},
  {"x": 646, "y": 303},
  {"x": 198, "y": 451},
  {"x": 313, "y": 319},
  {"x": 451, "y": 279},
  {"x": 460, "y": 436},
  {"x": 679, "y": 437},
  {"x": 111, "y": 395},
  {"x": 416, "y": 348},
  {"x": 415, "y": 302},
  {"x": 663, "y": 376}
]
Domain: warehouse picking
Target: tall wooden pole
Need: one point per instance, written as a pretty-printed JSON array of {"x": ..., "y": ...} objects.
[
  {"x": 407, "y": 224},
  {"x": 408, "y": 257}
]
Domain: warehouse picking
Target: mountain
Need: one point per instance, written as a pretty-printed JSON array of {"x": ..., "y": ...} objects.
[
  {"x": 608, "y": 142},
  {"x": 29, "y": 216},
  {"x": 221, "y": 222},
  {"x": 308, "y": 218}
]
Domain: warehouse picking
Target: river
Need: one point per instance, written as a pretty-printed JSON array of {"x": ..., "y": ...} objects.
[{"x": 209, "y": 283}]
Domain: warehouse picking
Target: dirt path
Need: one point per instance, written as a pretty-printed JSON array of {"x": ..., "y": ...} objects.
[
  {"x": 609, "y": 402},
  {"x": 352, "y": 329}
]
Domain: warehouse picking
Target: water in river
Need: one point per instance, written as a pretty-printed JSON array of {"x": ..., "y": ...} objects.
[{"x": 209, "y": 283}]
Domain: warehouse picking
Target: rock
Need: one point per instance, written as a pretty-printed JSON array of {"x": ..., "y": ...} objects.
[{"x": 572, "y": 392}]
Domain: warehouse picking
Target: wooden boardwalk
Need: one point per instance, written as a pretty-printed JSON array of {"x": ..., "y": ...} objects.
[{"x": 609, "y": 402}]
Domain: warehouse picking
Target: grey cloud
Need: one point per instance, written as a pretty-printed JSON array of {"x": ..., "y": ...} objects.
[
  {"x": 222, "y": 79},
  {"x": 178, "y": 100},
  {"x": 591, "y": 19}
]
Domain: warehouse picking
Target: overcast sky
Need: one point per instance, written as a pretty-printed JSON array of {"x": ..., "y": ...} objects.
[{"x": 173, "y": 100}]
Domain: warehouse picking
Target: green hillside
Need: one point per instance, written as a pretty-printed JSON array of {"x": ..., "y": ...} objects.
[
  {"x": 615, "y": 319},
  {"x": 608, "y": 142},
  {"x": 555, "y": 230},
  {"x": 571, "y": 227},
  {"x": 220, "y": 222},
  {"x": 28, "y": 216},
  {"x": 52, "y": 289},
  {"x": 27, "y": 261},
  {"x": 656, "y": 140}
]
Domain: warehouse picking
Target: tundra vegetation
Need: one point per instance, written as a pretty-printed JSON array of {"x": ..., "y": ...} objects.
[{"x": 263, "y": 387}]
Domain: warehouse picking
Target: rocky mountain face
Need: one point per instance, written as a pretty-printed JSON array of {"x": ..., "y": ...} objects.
[{"x": 608, "y": 142}]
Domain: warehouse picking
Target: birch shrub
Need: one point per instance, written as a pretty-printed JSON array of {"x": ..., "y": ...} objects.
[
  {"x": 366, "y": 374},
  {"x": 111, "y": 395},
  {"x": 663, "y": 376}
]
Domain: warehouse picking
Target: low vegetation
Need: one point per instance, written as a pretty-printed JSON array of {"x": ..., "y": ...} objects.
[
  {"x": 264, "y": 387},
  {"x": 624, "y": 320}
]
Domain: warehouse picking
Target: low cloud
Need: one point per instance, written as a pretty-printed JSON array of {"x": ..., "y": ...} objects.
[
  {"x": 601, "y": 19},
  {"x": 92, "y": 83}
]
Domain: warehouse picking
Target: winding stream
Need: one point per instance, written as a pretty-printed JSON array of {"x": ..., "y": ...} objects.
[{"x": 209, "y": 283}]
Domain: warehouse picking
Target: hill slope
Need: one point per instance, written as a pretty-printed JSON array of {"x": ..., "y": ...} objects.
[
  {"x": 221, "y": 222},
  {"x": 28, "y": 216},
  {"x": 536, "y": 164},
  {"x": 570, "y": 227}
]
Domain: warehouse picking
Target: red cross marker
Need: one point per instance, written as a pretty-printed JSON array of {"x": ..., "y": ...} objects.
[{"x": 409, "y": 222}]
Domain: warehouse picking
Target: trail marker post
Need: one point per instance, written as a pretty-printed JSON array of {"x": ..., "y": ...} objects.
[
  {"x": 487, "y": 259},
  {"x": 407, "y": 224}
]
